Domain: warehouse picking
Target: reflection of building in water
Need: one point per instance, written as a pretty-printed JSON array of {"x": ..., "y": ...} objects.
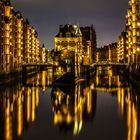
[
  {"x": 73, "y": 108},
  {"x": 59, "y": 71},
  {"x": 18, "y": 107},
  {"x": 41, "y": 79},
  {"x": 107, "y": 77},
  {"x": 128, "y": 106},
  {"x": 46, "y": 78},
  {"x": 128, "y": 103}
]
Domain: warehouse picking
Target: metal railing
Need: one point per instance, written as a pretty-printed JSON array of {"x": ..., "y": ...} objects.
[{"x": 104, "y": 63}]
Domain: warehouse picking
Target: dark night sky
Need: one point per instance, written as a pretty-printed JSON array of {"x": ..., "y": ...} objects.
[{"x": 107, "y": 16}]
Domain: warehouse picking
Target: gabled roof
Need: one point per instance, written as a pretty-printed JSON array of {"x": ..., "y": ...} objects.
[{"x": 71, "y": 30}]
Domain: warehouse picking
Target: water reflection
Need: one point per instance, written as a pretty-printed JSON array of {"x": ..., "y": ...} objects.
[
  {"x": 18, "y": 105},
  {"x": 129, "y": 109},
  {"x": 17, "y": 109},
  {"x": 73, "y": 107},
  {"x": 41, "y": 79},
  {"x": 128, "y": 99},
  {"x": 109, "y": 78}
]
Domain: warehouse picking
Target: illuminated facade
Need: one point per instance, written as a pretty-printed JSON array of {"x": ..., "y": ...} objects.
[
  {"x": 121, "y": 48},
  {"x": 18, "y": 40},
  {"x": 107, "y": 53},
  {"x": 68, "y": 45},
  {"x": 68, "y": 49},
  {"x": 75, "y": 46},
  {"x": 133, "y": 32},
  {"x": 89, "y": 43},
  {"x": 31, "y": 44},
  {"x": 5, "y": 37},
  {"x": 102, "y": 54},
  {"x": 37, "y": 47},
  {"x": 43, "y": 54},
  {"x": 1, "y": 25}
]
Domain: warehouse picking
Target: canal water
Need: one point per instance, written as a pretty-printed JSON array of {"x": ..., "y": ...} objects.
[{"x": 104, "y": 106}]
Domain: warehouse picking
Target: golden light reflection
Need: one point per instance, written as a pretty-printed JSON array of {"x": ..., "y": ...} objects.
[
  {"x": 28, "y": 105},
  {"x": 37, "y": 97},
  {"x": 8, "y": 132},
  {"x": 105, "y": 80},
  {"x": 121, "y": 100},
  {"x": 44, "y": 80},
  {"x": 97, "y": 77},
  {"x": 33, "y": 104},
  {"x": 19, "y": 116},
  {"x": 19, "y": 108},
  {"x": 132, "y": 119},
  {"x": 70, "y": 109},
  {"x": 126, "y": 102}
]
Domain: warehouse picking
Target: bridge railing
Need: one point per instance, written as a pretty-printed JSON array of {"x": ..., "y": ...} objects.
[
  {"x": 36, "y": 64},
  {"x": 109, "y": 64}
]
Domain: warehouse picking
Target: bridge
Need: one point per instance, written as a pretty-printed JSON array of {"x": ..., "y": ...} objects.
[
  {"x": 108, "y": 64},
  {"x": 32, "y": 68},
  {"x": 110, "y": 90},
  {"x": 37, "y": 64}
]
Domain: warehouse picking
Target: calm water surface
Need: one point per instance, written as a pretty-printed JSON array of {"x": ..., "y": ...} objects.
[{"x": 102, "y": 107}]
